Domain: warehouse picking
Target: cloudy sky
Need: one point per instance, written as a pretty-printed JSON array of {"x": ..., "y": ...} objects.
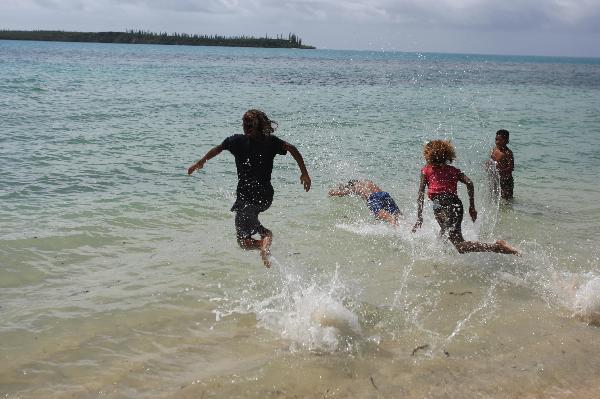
[{"x": 536, "y": 27}]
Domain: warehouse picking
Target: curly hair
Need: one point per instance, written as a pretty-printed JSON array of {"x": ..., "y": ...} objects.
[
  {"x": 439, "y": 152},
  {"x": 261, "y": 123}
]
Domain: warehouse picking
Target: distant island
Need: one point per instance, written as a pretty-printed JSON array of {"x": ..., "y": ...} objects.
[{"x": 144, "y": 37}]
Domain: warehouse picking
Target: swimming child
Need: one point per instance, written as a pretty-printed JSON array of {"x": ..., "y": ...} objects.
[
  {"x": 254, "y": 152},
  {"x": 379, "y": 202},
  {"x": 441, "y": 180},
  {"x": 505, "y": 163}
]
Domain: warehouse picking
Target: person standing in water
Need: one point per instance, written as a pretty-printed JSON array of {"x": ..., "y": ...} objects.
[
  {"x": 441, "y": 179},
  {"x": 505, "y": 163},
  {"x": 379, "y": 202},
  {"x": 254, "y": 152}
]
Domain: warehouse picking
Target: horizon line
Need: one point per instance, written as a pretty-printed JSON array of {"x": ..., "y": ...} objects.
[{"x": 380, "y": 50}]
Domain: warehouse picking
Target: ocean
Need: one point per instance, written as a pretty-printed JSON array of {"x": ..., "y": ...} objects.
[{"x": 120, "y": 275}]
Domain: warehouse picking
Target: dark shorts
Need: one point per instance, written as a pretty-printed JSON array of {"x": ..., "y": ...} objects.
[
  {"x": 246, "y": 219},
  {"x": 506, "y": 187},
  {"x": 448, "y": 211},
  {"x": 382, "y": 201}
]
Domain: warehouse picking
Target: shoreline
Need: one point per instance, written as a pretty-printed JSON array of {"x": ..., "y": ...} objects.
[{"x": 143, "y": 37}]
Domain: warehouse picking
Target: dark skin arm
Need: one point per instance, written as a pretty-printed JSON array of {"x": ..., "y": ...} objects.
[
  {"x": 471, "y": 190},
  {"x": 339, "y": 192},
  {"x": 420, "y": 198},
  {"x": 213, "y": 152},
  {"x": 504, "y": 159},
  {"x": 304, "y": 177}
]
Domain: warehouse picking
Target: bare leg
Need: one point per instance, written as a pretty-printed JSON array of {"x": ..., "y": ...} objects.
[
  {"x": 388, "y": 217},
  {"x": 500, "y": 247},
  {"x": 249, "y": 243},
  {"x": 264, "y": 245},
  {"x": 504, "y": 248},
  {"x": 449, "y": 216}
]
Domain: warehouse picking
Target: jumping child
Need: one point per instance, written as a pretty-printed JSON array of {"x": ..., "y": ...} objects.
[
  {"x": 441, "y": 180},
  {"x": 379, "y": 202},
  {"x": 505, "y": 163},
  {"x": 254, "y": 152}
]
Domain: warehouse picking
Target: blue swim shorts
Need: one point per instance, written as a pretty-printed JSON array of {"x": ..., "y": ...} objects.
[{"x": 382, "y": 200}]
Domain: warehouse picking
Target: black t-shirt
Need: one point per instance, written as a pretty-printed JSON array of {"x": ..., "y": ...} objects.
[{"x": 254, "y": 163}]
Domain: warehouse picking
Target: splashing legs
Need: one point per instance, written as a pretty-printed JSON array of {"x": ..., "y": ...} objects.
[
  {"x": 501, "y": 247},
  {"x": 265, "y": 248},
  {"x": 264, "y": 245}
]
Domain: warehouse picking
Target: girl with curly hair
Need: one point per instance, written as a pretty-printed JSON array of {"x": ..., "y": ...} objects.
[
  {"x": 254, "y": 152},
  {"x": 441, "y": 179}
]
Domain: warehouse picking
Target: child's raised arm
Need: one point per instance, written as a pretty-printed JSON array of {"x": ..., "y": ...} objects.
[
  {"x": 213, "y": 152},
  {"x": 471, "y": 190},
  {"x": 420, "y": 197},
  {"x": 304, "y": 177}
]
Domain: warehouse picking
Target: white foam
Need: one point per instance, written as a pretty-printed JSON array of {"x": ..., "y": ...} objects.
[
  {"x": 313, "y": 316},
  {"x": 369, "y": 229},
  {"x": 317, "y": 321},
  {"x": 402, "y": 231},
  {"x": 425, "y": 243},
  {"x": 579, "y": 292},
  {"x": 587, "y": 301}
]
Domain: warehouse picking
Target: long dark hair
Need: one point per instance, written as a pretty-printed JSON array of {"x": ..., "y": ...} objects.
[{"x": 261, "y": 124}]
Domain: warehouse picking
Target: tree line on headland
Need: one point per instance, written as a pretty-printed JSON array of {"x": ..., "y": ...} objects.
[{"x": 145, "y": 37}]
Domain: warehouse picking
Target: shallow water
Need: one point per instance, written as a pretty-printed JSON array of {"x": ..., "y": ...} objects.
[{"x": 120, "y": 275}]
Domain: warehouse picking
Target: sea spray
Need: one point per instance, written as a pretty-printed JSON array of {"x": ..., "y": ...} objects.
[
  {"x": 313, "y": 313},
  {"x": 587, "y": 301},
  {"x": 541, "y": 272},
  {"x": 580, "y": 293},
  {"x": 489, "y": 203}
]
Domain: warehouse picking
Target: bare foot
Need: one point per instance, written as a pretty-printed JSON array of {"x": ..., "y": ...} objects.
[
  {"x": 265, "y": 246},
  {"x": 506, "y": 249},
  {"x": 266, "y": 258}
]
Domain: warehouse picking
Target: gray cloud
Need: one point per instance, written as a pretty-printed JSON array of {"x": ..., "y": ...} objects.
[
  {"x": 466, "y": 14},
  {"x": 433, "y": 24},
  {"x": 522, "y": 14},
  {"x": 201, "y": 6}
]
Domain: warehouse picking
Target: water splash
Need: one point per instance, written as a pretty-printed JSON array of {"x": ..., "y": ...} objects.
[
  {"x": 485, "y": 303},
  {"x": 312, "y": 313},
  {"x": 577, "y": 292},
  {"x": 587, "y": 301},
  {"x": 491, "y": 201}
]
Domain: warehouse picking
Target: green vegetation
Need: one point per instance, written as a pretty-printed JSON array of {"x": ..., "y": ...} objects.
[{"x": 143, "y": 37}]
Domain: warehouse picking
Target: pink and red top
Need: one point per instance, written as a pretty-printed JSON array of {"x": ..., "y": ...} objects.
[{"x": 440, "y": 179}]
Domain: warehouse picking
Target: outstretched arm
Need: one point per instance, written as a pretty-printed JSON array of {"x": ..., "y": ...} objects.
[
  {"x": 213, "y": 152},
  {"x": 471, "y": 190},
  {"x": 304, "y": 177},
  {"x": 339, "y": 191},
  {"x": 420, "y": 197}
]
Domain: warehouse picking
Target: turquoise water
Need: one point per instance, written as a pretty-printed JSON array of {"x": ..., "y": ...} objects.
[{"x": 120, "y": 275}]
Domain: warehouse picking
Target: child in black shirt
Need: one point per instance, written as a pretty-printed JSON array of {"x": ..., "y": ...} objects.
[{"x": 254, "y": 152}]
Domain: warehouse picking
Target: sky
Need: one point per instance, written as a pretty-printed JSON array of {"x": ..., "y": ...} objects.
[{"x": 517, "y": 27}]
